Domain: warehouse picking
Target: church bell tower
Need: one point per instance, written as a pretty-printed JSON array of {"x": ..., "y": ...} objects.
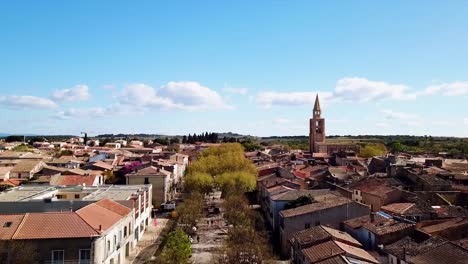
[{"x": 317, "y": 128}]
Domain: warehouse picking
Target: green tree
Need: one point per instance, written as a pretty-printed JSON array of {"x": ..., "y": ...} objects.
[
  {"x": 199, "y": 181},
  {"x": 177, "y": 249},
  {"x": 300, "y": 201},
  {"x": 397, "y": 146},
  {"x": 239, "y": 181},
  {"x": 22, "y": 148},
  {"x": 236, "y": 210},
  {"x": 373, "y": 149},
  {"x": 14, "y": 139},
  {"x": 190, "y": 211}
]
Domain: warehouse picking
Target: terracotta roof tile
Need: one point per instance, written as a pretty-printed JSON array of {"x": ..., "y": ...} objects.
[
  {"x": 100, "y": 217},
  {"x": 72, "y": 180},
  {"x": 9, "y": 224},
  {"x": 53, "y": 225},
  {"x": 150, "y": 171},
  {"x": 380, "y": 226},
  {"x": 397, "y": 208},
  {"x": 447, "y": 253},
  {"x": 322, "y": 251},
  {"x": 25, "y": 166},
  {"x": 114, "y": 207},
  {"x": 356, "y": 252}
]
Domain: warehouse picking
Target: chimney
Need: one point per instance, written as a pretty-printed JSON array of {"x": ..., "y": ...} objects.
[
  {"x": 100, "y": 227},
  {"x": 372, "y": 217}
]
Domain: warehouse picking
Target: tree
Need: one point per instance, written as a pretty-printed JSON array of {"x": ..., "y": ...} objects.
[
  {"x": 22, "y": 148},
  {"x": 14, "y": 139},
  {"x": 373, "y": 149},
  {"x": 300, "y": 201},
  {"x": 177, "y": 249},
  {"x": 104, "y": 142},
  {"x": 190, "y": 211},
  {"x": 184, "y": 139},
  {"x": 239, "y": 181},
  {"x": 236, "y": 210},
  {"x": 244, "y": 246},
  {"x": 231, "y": 171},
  {"x": 397, "y": 146},
  {"x": 200, "y": 182},
  {"x": 174, "y": 140}
]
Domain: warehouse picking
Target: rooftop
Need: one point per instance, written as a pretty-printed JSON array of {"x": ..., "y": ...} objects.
[
  {"x": 53, "y": 226},
  {"x": 323, "y": 202},
  {"x": 102, "y": 215},
  {"x": 380, "y": 226},
  {"x": 446, "y": 253},
  {"x": 397, "y": 208},
  {"x": 318, "y": 234}
]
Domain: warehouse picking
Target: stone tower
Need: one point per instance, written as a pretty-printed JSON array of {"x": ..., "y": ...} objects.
[{"x": 317, "y": 128}]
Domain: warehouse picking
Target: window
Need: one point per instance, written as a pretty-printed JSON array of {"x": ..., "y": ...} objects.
[
  {"x": 85, "y": 256},
  {"x": 7, "y": 224},
  {"x": 58, "y": 256},
  {"x": 125, "y": 231},
  {"x": 146, "y": 180},
  {"x": 108, "y": 246},
  {"x": 307, "y": 225},
  {"x": 77, "y": 196}
]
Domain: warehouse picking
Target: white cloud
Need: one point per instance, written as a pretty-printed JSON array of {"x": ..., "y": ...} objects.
[
  {"x": 233, "y": 90},
  {"x": 84, "y": 113},
  {"x": 268, "y": 99},
  {"x": 393, "y": 115},
  {"x": 108, "y": 87},
  {"x": 26, "y": 102},
  {"x": 357, "y": 89},
  {"x": 76, "y": 93},
  {"x": 353, "y": 89},
  {"x": 403, "y": 119},
  {"x": 447, "y": 89},
  {"x": 190, "y": 96},
  {"x": 281, "y": 121}
]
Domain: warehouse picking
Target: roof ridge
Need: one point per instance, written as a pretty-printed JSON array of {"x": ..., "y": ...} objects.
[
  {"x": 23, "y": 219},
  {"x": 97, "y": 231}
]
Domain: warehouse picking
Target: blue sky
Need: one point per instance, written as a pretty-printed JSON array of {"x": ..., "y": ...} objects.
[{"x": 252, "y": 67}]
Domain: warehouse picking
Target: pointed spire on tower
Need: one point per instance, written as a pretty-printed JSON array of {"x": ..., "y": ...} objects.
[
  {"x": 317, "y": 104},
  {"x": 317, "y": 111}
]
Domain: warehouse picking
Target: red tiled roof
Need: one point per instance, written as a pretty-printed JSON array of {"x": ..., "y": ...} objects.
[
  {"x": 397, "y": 208},
  {"x": 101, "y": 216},
  {"x": 356, "y": 252},
  {"x": 101, "y": 164},
  {"x": 10, "y": 182},
  {"x": 88, "y": 180},
  {"x": 53, "y": 225},
  {"x": 9, "y": 224},
  {"x": 380, "y": 226},
  {"x": 322, "y": 251},
  {"x": 150, "y": 171},
  {"x": 114, "y": 207}
]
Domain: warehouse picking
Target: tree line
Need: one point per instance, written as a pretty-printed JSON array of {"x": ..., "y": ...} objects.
[{"x": 203, "y": 137}]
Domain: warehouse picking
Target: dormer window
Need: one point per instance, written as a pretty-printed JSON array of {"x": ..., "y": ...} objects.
[{"x": 7, "y": 224}]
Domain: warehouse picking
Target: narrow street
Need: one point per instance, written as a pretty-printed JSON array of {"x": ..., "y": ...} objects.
[
  {"x": 149, "y": 243},
  {"x": 212, "y": 231}
]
